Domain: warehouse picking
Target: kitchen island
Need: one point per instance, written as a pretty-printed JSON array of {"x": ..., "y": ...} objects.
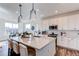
[{"x": 44, "y": 45}]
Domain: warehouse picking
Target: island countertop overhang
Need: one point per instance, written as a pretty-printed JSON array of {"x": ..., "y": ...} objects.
[{"x": 37, "y": 43}]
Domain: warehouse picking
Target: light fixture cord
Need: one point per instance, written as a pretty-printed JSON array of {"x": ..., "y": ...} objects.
[
  {"x": 20, "y": 9},
  {"x": 20, "y": 16}
]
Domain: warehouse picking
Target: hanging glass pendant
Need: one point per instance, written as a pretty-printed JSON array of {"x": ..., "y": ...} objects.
[
  {"x": 33, "y": 11},
  {"x": 19, "y": 19},
  {"x": 20, "y": 16}
]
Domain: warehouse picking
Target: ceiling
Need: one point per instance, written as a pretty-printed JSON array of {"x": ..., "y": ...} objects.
[{"x": 11, "y": 10}]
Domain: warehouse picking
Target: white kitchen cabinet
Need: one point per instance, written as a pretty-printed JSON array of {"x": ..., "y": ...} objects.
[
  {"x": 60, "y": 26},
  {"x": 62, "y": 41},
  {"x": 48, "y": 50},
  {"x": 73, "y": 22},
  {"x": 59, "y": 40},
  {"x": 67, "y": 42},
  {"x": 70, "y": 23},
  {"x": 65, "y": 23},
  {"x": 77, "y": 43},
  {"x": 76, "y": 23},
  {"x": 45, "y": 25},
  {"x": 74, "y": 43},
  {"x": 70, "y": 41}
]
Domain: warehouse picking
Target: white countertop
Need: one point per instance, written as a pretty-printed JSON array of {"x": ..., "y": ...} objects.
[{"x": 36, "y": 42}]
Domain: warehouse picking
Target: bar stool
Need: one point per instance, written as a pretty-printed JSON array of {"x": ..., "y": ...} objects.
[
  {"x": 16, "y": 48},
  {"x": 10, "y": 48},
  {"x": 23, "y": 50}
]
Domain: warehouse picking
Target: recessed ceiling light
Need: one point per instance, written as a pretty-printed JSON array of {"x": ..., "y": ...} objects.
[{"x": 56, "y": 11}]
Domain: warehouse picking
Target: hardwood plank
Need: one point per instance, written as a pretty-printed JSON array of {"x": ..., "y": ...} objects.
[{"x": 61, "y": 51}]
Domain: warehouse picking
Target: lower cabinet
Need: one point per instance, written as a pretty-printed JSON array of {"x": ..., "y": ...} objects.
[
  {"x": 48, "y": 50},
  {"x": 62, "y": 41},
  {"x": 68, "y": 42},
  {"x": 72, "y": 43},
  {"x": 77, "y": 43}
]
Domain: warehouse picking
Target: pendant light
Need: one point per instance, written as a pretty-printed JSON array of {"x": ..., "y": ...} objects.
[
  {"x": 20, "y": 13},
  {"x": 32, "y": 11}
]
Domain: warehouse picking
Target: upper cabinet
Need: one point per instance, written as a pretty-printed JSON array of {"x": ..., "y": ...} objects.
[
  {"x": 62, "y": 23},
  {"x": 60, "y": 26},
  {"x": 68, "y": 22},
  {"x": 76, "y": 20},
  {"x": 44, "y": 25},
  {"x": 73, "y": 22},
  {"x": 65, "y": 23}
]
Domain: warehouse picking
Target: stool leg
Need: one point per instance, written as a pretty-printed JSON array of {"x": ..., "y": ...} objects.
[
  {"x": 9, "y": 52},
  {"x": 12, "y": 52}
]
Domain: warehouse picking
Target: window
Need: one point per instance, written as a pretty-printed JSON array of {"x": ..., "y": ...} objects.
[
  {"x": 11, "y": 27},
  {"x": 8, "y": 25},
  {"x": 28, "y": 26},
  {"x": 15, "y": 26}
]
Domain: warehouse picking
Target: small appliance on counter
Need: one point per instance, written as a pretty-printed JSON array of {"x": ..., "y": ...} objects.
[
  {"x": 52, "y": 35},
  {"x": 26, "y": 35},
  {"x": 37, "y": 34},
  {"x": 44, "y": 32}
]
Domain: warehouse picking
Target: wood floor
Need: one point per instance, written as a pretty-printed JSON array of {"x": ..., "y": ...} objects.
[
  {"x": 66, "y": 52},
  {"x": 60, "y": 51}
]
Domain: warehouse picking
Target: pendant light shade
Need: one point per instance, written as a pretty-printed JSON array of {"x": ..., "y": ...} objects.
[
  {"x": 32, "y": 11},
  {"x": 20, "y": 13}
]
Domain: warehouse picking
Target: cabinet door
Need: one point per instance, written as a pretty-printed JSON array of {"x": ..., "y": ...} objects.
[
  {"x": 68, "y": 42},
  {"x": 77, "y": 43},
  {"x": 62, "y": 41},
  {"x": 72, "y": 22},
  {"x": 77, "y": 24},
  {"x": 60, "y": 27},
  {"x": 59, "y": 41},
  {"x": 48, "y": 50},
  {"x": 72, "y": 43},
  {"x": 65, "y": 41},
  {"x": 45, "y": 24},
  {"x": 65, "y": 23}
]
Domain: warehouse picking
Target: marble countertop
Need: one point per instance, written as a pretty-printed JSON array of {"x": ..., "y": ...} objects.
[{"x": 36, "y": 42}]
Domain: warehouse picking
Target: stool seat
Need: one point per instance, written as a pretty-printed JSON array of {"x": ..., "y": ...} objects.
[
  {"x": 23, "y": 50},
  {"x": 16, "y": 47}
]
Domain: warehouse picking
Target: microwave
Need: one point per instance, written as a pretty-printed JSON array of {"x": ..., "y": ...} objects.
[{"x": 53, "y": 27}]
